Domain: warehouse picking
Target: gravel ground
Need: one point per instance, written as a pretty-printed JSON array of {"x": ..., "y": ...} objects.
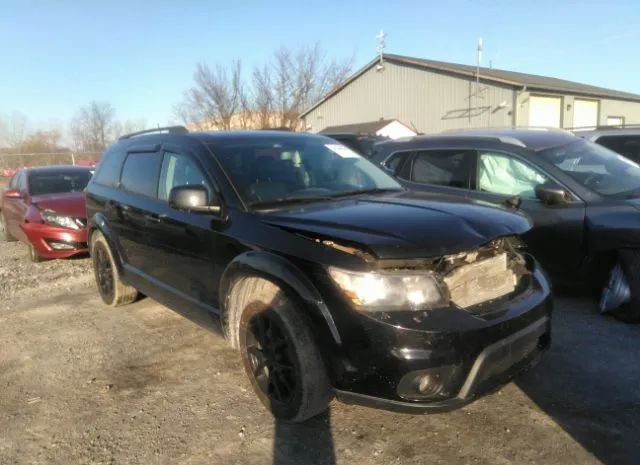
[{"x": 81, "y": 383}]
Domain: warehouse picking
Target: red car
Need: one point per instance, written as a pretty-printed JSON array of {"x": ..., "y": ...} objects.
[{"x": 44, "y": 208}]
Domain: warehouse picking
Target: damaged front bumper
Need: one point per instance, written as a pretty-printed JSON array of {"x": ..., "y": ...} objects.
[
  {"x": 54, "y": 241},
  {"x": 440, "y": 360}
]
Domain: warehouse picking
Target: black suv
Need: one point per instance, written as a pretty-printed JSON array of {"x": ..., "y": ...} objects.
[
  {"x": 328, "y": 277},
  {"x": 583, "y": 198}
]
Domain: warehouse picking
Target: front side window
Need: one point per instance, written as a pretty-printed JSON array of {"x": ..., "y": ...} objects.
[
  {"x": 596, "y": 168},
  {"x": 178, "y": 170},
  {"x": 57, "y": 182},
  {"x": 286, "y": 169},
  {"x": 443, "y": 167},
  {"x": 503, "y": 174},
  {"x": 140, "y": 173}
]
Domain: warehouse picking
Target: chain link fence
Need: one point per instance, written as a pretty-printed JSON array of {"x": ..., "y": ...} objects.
[{"x": 9, "y": 162}]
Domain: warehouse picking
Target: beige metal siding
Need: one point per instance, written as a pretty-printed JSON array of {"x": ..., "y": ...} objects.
[
  {"x": 630, "y": 111},
  {"x": 431, "y": 101}
]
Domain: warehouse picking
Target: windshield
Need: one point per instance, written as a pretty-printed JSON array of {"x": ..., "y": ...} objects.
[
  {"x": 58, "y": 182},
  {"x": 273, "y": 170},
  {"x": 597, "y": 168}
]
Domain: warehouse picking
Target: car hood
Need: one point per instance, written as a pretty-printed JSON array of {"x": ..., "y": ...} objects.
[
  {"x": 403, "y": 225},
  {"x": 66, "y": 203}
]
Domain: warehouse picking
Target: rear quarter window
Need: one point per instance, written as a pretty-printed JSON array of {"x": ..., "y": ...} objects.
[{"x": 108, "y": 171}]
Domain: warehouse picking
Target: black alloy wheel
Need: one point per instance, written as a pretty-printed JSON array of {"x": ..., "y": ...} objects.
[
  {"x": 271, "y": 358},
  {"x": 103, "y": 269}
]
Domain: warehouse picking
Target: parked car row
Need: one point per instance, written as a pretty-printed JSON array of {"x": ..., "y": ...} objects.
[{"x": 328, "y": 275}]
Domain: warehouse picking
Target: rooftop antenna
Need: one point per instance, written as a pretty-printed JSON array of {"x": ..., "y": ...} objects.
[{"x": 380, "y": 48}]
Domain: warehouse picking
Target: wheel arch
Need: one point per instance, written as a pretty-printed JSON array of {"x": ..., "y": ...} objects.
[
  {"x": 98, "y": 223},
  {"x": 284, "y": 274}
]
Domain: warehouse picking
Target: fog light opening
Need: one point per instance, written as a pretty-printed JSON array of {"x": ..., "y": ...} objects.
[
  {"x": 55, "y": 245},
  {"x": 429, "y": 385}
]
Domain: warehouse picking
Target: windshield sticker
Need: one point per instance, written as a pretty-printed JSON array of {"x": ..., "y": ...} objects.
[{"x": 342, "y": 151}]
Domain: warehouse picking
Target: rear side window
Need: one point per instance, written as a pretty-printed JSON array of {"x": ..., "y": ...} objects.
[
  {"x": 140, "y": 173},
  {"x": 628, "y": 146},
  {"x": 443, "y": 167},
  {"x": 108, "y": 172}
]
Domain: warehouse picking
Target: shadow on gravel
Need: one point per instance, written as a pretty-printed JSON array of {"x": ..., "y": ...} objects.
[
  {"x": 308, "y": 443},
  {"x": 589, "y": 382}
]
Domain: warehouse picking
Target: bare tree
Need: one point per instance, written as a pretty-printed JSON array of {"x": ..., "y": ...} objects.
[
  {"x": 92, "y": 128},
  {"x": 120, "y": 128},
  {"x": 278, "y": 92},
  {"x": 263, "y": 98},
  {"x": 302, "y": 78},
  {"x": 14, "y": 130},
  {"x": 215, "y": 97}
]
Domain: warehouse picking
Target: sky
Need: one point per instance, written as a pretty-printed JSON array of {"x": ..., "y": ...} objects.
[{"x": 56, "y": 56}]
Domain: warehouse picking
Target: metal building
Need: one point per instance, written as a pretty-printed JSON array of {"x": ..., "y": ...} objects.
[{"x": 433, "y": 96}]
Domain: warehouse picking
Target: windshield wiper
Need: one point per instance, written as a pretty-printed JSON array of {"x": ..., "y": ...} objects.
[
  {"x": 288, "y": 201},
  {"x": 377, "y": 190}
]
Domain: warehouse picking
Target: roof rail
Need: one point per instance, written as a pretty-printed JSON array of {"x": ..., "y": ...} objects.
[
  {"x": 167, "y": 130},
  {"x": 605, "y": 126}
]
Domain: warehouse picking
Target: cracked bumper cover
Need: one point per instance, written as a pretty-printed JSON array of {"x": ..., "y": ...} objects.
[{"x": 486, "y": 356}]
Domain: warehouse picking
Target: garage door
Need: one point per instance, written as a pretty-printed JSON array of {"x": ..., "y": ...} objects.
[
  {"x": 545, "y": 111},
  {"x": 585, "y": 113}
]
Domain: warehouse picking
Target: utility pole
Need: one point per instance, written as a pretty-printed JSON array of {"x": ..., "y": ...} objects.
[
  {"x": 478, "y": 72},
  {"x": 380, "y": 48}
]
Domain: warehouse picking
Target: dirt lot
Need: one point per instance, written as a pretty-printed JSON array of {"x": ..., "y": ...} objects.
[{"x": 82, "y": 383}]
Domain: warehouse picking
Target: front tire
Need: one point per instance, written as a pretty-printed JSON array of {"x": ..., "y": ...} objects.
[
  {"x": 621, "y": 293},
  {"x": 111, "y": 288},
  {"x": 281, "y": 358}
]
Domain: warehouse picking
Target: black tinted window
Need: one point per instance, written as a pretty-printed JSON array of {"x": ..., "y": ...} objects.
[
  {"x": 628, "y": 145},
  {"x": 108, "y": 172},
  {"x": 393, "y": 162},
  {"x": 443, "y": 167},
  {"x": 140, "y": 173}
]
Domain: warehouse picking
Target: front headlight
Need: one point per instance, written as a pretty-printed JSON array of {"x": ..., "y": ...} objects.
[
  {"x": 53, "y": 218},
  {"x": 383, "y": 291}
]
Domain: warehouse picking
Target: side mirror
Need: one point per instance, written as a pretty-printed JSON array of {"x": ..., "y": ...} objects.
[
  {"x": 13, "y": 194},
  {"x": 551, "y": 194},
  {"x": 193, "y": 198}
]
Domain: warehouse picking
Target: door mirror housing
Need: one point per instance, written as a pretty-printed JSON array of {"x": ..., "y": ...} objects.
[
  {"x": 551, "y": 194},
  {"x": 13, "y": 194},
  {"x": 193, "y": 198}
]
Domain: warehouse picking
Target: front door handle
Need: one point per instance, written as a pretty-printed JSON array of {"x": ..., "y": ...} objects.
[{"x": 154, "y": 218}]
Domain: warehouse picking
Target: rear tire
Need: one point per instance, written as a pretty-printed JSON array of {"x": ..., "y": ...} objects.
[
  {"x": 280, "y": 355},
  {"x": 111, "y": 288},
  {"x": 4, "y": 233},
  {"x": 621, "y": 293}
]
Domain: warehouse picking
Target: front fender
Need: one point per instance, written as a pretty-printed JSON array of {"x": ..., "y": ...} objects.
[{"x": 285, "y": 274}]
